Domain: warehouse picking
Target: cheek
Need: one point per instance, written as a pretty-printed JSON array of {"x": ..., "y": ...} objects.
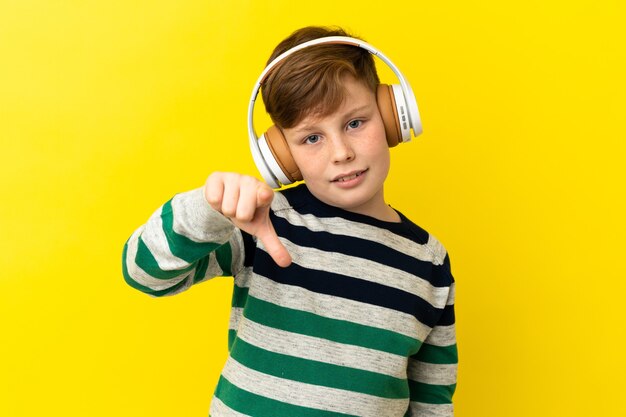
[
  {"x": 306, "y": 163},
  {"x": 385, "y": 158},
  {"x": 377, "y": 146},
  {"x": 380, "y": 155},
  {"x": 377, "y": 136}
]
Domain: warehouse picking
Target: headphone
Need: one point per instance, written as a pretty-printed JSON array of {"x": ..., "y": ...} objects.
[{"x": 396, "y": 103}]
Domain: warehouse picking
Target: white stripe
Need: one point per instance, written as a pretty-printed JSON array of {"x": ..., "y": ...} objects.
[
  {"x": 431, "y": 410},
  {"x": 432, "y": 373},
  {"x": 433, "y": 251},
  {"x": 311, "y": 396},
  {"x": 442, "y": 336},
  {"x": 237, "y": 252},
  {"x": 329, "y": 306},
  {"x": 142, "y": 277},
  {"x": 244, "y": 277},
  {"x": 213, "y": 268},
  {"x": 322, "y": 350},
  {"x": 156, "y": 241},
  {"x": 219, "y": 409},
  {"x": 280, "y": 202},
  {"x": 235, "y": 318},
  {"x": 195, "y": 219},
  {"x": 367, "y": 270},
  {"x": 452, "y": 294}
]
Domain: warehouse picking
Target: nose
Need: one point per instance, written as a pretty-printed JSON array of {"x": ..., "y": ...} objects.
[{"x": 341, "y": 149}]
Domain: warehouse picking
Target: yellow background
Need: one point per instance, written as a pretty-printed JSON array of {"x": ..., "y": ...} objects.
[{"x": 108, "y": 108}]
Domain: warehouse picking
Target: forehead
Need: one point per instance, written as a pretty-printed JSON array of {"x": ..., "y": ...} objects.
[{"x": 356, "y": 96}]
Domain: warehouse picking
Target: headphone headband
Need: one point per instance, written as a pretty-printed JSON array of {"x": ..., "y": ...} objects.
[{"x": 413, "y": 112}]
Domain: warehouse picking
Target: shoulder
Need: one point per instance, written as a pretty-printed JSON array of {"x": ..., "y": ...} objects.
[
  {"x": 425, "y": 247},
  {"x": 428, "y": 241}
]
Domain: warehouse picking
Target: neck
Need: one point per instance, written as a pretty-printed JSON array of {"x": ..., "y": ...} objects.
[
  {"x": 386, "y": 215},
  {"x": 378, "y": 209}
]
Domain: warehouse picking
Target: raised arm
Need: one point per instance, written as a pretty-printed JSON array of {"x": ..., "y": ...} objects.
[
  {"x": 183, "y": 243},
  {"x": 197, "y": 235}
]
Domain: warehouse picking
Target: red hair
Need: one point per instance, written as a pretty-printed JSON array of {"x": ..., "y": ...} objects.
[{"x": 308, "y": 82}]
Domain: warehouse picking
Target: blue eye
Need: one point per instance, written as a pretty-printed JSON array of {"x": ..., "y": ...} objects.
[
  {"x": 312, "y": 139},
  {"x": 354, "y": 124}
]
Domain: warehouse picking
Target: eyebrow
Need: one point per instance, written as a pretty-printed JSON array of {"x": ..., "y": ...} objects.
[{"x": 347, "y": 115}]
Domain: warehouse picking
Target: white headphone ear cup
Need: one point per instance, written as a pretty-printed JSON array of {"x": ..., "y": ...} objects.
[
  {"x": 261, "y": 164},
  {"x": 402, "y": 111},
  {"x": 273, "y": 169},
  {"x": 415, "y": 121}
]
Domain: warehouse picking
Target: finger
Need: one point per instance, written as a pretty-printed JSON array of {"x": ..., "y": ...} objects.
[
  {"x": 264, "y": 195},
  {"x": 214, "y": 190},
  {"x": 274, "y": 246},
  {"x": 230, "y": 196},
  {"x": 247, "y": 204}
]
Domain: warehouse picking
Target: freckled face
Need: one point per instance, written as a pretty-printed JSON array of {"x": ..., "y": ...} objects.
[{"x": 344, "y": 157}]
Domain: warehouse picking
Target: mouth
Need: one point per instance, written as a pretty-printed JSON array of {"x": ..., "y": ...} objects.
[{"x": 348, "y": 177}]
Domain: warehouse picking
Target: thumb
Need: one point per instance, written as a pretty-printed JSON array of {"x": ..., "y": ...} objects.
[
  {"x": 264, "y": 195},
  {"x": 266, "y": 234},
  {"x": 274, "y": 246}
]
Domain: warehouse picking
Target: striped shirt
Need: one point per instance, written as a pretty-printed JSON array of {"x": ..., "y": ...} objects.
[{"x": 360, "y": 324}]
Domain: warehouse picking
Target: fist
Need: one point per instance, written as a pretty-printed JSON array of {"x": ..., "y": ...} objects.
[{"x": 246, "y": 202}]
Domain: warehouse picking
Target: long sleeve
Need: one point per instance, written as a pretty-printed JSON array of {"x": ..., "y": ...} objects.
[
  {"x": 183, "y": 243},
  {"x": 432, "y": 371}
]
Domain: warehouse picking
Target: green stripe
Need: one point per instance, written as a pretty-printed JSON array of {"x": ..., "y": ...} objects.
[
  {"x": 232, "y": 335},
  {"x": 431, "y": 394},
  {"x": 240, "y": 296},
  {"x": 146, "y": 261},
  {"x": 255, "y": 405},
  {"x": 130, "y": 281},
  {"x": 181, "y": 246},
  {"x": 319, "y": 373},
  {"x": 201, "y": 268},
  {"x": 437, "y": 354},
  {"x": 341, "y": 331},
  {"x": 224, "y": 256}
]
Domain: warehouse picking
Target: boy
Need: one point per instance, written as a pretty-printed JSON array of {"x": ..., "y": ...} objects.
[{"x": 341, "y": 305}]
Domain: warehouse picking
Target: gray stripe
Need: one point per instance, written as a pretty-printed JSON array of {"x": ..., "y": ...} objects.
[
  {"x": 322, "y": 350},
  {"x": 219, "y": 409},
  {"x": 432, "y": 373},
  {"x": 213, "y": 269},
  {"x": 442, "y": 336},
  {"x": 280, "y": 202},
  {"x": 235, "y": 317},
  {"x": 452, "y": 294},
  {"x": 433, "y": 251},
  {"x": 195, "y": 219},
  {"x": 431, "y": 410},
  {"x": 237, "y": 252},
  {"x": 367, "y": 270},
  {"x": 142, "y": 277},
  {"x": 244, "y": 277},
  {"x": 329, "y": 306},
  {"x": 156, "y": 240},
  {"x": 312, "y": 396}
]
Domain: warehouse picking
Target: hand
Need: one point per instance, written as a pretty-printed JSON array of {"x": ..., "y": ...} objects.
[{"x": 246, "y": 202}]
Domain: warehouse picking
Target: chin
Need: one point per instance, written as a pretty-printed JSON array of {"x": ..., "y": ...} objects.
[{"x": 355, "y": 202}]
